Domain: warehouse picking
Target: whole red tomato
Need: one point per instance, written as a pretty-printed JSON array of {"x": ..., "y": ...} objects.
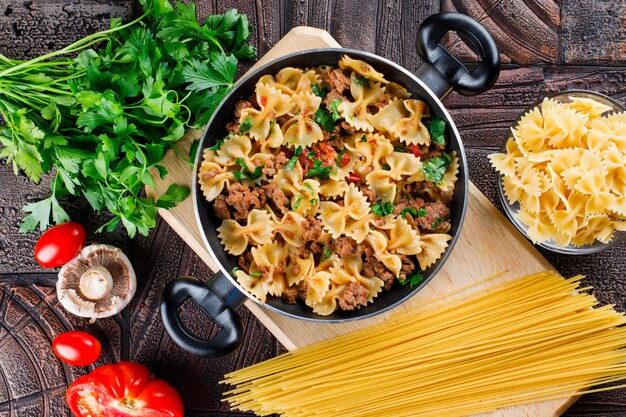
[
  {"x": 59, "y": 244},
  {"x": 76, "y": 348},
  {"x": 124, "y": 389}
]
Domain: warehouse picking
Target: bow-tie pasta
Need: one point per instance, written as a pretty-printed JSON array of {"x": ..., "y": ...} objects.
[
  {"x": 333, "y": 185},
  {"x": 565, "y": 166}
]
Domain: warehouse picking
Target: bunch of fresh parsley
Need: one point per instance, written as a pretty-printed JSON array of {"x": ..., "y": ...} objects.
[{"x": 102, "y": 119}]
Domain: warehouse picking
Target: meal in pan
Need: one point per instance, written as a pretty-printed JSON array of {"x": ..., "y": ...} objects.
[
  {"x": 566, "y": 168},
  {"x": 332, "y": 184}
]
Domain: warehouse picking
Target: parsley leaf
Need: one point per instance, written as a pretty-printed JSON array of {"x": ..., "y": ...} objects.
[
  {"x": 294, "y": 159},
  {"x": 362, "y": 81},
  {"x": 421, "y": 212},
  {"x": 435, "y": 168},
  {"x": 340, "y": 156},
  {"x": 437, "y": 223},
  {"x": 296, "y": 203},
  {"x": 174, "y": 194},
  {"x": 320, "y": 171},
  {"x": 399, "y": 148},
  {"x": 334, "y": 108},
  {"x": 416, "y": 278},
  {"x": 326, "y": 253},
  {"x": 363, "y": 138},
  {"x": 325, "y": 119},
  {"x": 382, "y": 209},
  {"x": 246, "y": 125},
  {"x": 409, "y": 210},
  {"x": 217, "y": 145},
  {"x": 245, "y": 172},
  {"x": 255, "y": 274},
  {"x": 437, "y": 128},
  {"x": 319, "y": 91}
]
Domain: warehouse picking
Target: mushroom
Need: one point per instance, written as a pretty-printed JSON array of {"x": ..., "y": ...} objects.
[{"x": 99, "y": 282}]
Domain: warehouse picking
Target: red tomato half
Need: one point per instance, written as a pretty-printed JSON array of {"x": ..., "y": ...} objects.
[
  {"x": 60, "y": 244},
  {"x": 124, "y": 389},
  {"x": 76, "y": 348}
]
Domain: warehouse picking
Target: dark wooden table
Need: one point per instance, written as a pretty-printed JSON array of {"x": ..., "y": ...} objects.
[{"x": 546, "y": 46}]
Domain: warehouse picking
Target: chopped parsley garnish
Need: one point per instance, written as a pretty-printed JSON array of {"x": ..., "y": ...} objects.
[
  {"x": 245, "y": 172},
  {"x": 246, "y": 125},
  {"x": 416, "y": 278},
  {"x": 382, "y": 209},
  {"x": 334, "y": 108},
  {"x": 363, "y": 138},
  {"x": 294, "y": 159},
  {"x": 309, "y": 188},
  {"x": 326, "y": 253},
  {"x": 435, "y": 168},
  {"x": 311, "y": 154},
  {"x": 313, "y": 201},
  {"x": 362, "y": 81},
  {"x": 340, "y": 156},
  {"x": 409, "y": 210},
  {"x": 399, "y": 148},
  {"x": 437, "y": 128},
  {"x": 421, "y": 212},
  {"x": 386, "y": 167},
  {"x": 255, "y": 274},
  {"x": 217, "y": 145},
  {"x": 320, "y": 171},
  {"x": 437, "y": 223},
  {"x": 319, "y": 90},
  {"x": 234, "y": 270},
  {"x": 296, "y": 203},
  {"x": 325, "y": 119}
]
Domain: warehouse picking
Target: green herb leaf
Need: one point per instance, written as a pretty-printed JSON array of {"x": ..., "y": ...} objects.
[
  {"x": 217, "y": 145},
  {"x": 363, "y": 138},
  {"x": 294, "y": 159},
  {"x": 334, "y": 108},
  {"x": 325, "y": 119},
  {"x": 435, "y": 168},
  {"x": 382, "y": 209},
  {"x": 416, "y": 278},
  {"x": 246, "y": 125},
  {"x": 437, "y": 128},
  {"x": 326, "y": 253},
  {"x": 174, "y": 194},
  {"x": 409, "y": 210},
  {"x": 399, "y": 148},
  {"x": 362, "y": 81},
  {"x": 437, "y": 223},
  {"x": 245, "y": 172},
  {"x": 421, "y": 212},
  {"x": 320, "y": 171},
  {"x": 296, "y": 203},
  {"x": 340, "y": 156},
  {"x": 255, "y": 274},
  {"x": 319, "y": 91}
]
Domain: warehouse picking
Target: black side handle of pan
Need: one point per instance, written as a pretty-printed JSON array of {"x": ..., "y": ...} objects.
[
  {"x": 219, "y": 299},
  {"x": 441, "y": 71}
]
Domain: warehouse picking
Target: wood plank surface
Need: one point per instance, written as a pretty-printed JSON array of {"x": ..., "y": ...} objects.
[{"x": 589, "y": 54}]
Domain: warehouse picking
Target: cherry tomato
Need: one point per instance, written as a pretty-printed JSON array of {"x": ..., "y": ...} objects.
[
  {"x": 326, "y": 153},
  {"x": 60, "y": 244},
  {"x": 122, "y": 390},
  {"x": 415, "y": 150},
  {"x": 76, "y": 348},
  {"x": 345, "y": 160}
]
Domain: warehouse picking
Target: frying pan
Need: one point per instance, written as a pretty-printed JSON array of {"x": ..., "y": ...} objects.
[{"x": 434, "y": 79}]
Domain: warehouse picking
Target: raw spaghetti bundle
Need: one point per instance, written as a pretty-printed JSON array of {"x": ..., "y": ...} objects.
[{"x": 525, "y": 340}]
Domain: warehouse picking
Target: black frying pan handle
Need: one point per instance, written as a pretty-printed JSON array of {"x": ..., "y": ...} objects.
[
  {"x": 219, "y": 299},
  {"x": 442, "y": 71}
]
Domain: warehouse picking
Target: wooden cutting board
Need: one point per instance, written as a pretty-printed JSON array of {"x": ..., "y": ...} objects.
[{"x": 488, "y": 244}]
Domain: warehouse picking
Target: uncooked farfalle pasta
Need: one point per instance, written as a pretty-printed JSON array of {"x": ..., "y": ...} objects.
[
  {"x": 332, "y": 184},
  {"x": 566, "y": 167}
]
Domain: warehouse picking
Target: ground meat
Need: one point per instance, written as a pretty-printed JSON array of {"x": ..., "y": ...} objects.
[
  {"x": 347, "y": 128},
  {"x": 353, "y": 296},
  {"x": 221, "y": 208},
  {"x": 241, "y": 104},
  {"x": 435, "y": 218},
  {"x": 311, "y": 229},
  {"x": 317, "y": 248},
  {"x": 372, "y": 267},
  {"x": 407, "y": 266},
  {"x": 276, "y": 197},
  {"x": 338, "y": 80},
  {"x": 233, "y": 127},
  {"x": 275, "y": 163},
  {"x": 244, "y": 200},
  {"x": 290, "y": 295},
  {"x": 408, "y": 202},
  {"x": 332, "y": 96},
  {"x": 383, "y": 100},
  {"x": 428, "y": 153},
  {"x": 329, "y": 136},
  {"x": 368, "y": 193},
  {"x": 244, "y": 261},
  {"x": 302, "y": 288},
  {"x": 347, "y": 247}
]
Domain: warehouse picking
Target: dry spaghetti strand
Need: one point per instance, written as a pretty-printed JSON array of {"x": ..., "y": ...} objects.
[{"x": 528, "y": 339}]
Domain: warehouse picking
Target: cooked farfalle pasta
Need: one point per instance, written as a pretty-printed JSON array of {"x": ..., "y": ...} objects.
[
  {"x": 333, "y": 184},
  {"x": 565, "y": 166}
]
